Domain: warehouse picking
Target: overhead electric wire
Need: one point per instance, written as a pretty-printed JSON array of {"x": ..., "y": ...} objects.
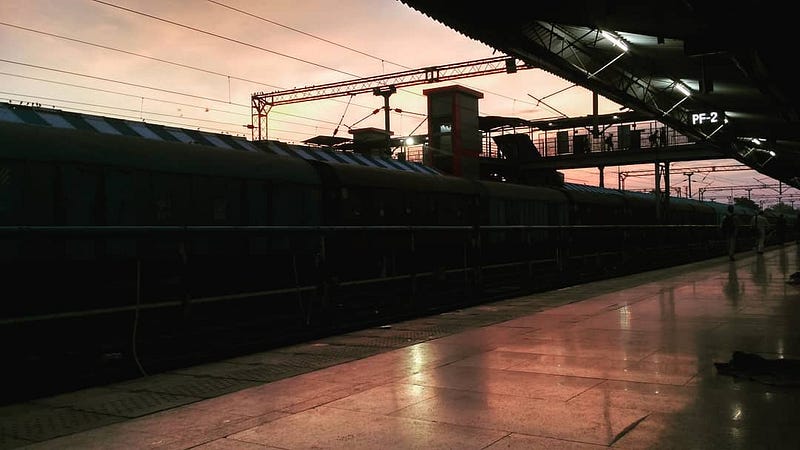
[
  {"x": 237, "y": 41},
  {"x": 140, "y": 111},
  {"x": 152, "y": 58},
  {"x": 126, "y": 94},
  {"x": 249, "y": 14},
  {"x": 126, "y": 83},
  {"x": 182, "y": 125},
  {"x": 140, "y": 96},
  {"x": 377, "y": 58},
  {"x": 159, "y": 121},
  {"x": 219, "y": 36},
  {"x": 161, "y": 60}
]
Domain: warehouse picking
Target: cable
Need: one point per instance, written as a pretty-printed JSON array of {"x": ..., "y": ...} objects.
[
  {"x": 336, "y": 130},
  {"x": 108, "y": 91},
  {"x": 159, "y": 99},
  {"x": 105, "y": 47},
  {"x": 219, "y": 36},
  {"x": 198, "y": 30},
  {"x": 118, "y": 108},
  {"x": 186, "y": 66},
  {"x": 365, "y": 117},
  {"x": 121, "y": 82},
  {"x": 304, "y": 33}
]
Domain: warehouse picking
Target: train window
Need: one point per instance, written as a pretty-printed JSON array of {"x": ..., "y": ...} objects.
[
  {"x": 120, "y": 205},
  {"x": 12, "y": 185},
  {"x": 172, "y": 198},
  {"x": 40, "y": 194},
  {"x": 257, "y": 203},
  {"x": 294, "y": 205},
  {"x": 285, "y": 205},
  {"x": 78, "y": 189}
]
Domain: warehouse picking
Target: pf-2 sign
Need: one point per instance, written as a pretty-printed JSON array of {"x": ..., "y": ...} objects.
[{"x": 708, "y": 118}]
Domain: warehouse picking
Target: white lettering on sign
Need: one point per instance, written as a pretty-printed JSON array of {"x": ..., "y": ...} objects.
[{"x": 705, "y": 118}]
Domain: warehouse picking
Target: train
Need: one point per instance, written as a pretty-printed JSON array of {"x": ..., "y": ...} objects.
[{"x": 119, "y": 249}]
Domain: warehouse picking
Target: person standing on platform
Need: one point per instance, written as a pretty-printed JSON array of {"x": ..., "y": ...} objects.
[
  {"x": 609, "y": 142},
  {"x": 759, "y": 225},
  {"x": 729, "y": 230},
  {"x": 653, "y": 138},
  {"x": 662, "y": 138},
  {"x": 797, "y": 227},
  {"x": 780, "y": 229}
]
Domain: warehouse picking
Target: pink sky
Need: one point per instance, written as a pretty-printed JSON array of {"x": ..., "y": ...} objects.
[{"x": 366, "y": 38}]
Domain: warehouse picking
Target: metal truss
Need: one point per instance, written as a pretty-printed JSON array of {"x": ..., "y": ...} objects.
[
  {"x": 262, "y": 103},
  {"x": 577, "y": 55}
]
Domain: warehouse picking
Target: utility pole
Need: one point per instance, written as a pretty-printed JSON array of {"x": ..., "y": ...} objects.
[
  {"x": 689, "y": 175},
  {"x": 386, "y": 92}
]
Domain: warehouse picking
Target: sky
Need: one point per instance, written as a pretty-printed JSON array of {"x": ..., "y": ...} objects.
[{"x": 196, "y": 64}]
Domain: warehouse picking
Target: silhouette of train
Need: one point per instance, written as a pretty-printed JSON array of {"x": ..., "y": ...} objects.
[{"x": 122, "y": 240}]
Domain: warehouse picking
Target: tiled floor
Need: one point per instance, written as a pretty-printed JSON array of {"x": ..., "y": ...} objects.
[{"x": 626, "y": 363}]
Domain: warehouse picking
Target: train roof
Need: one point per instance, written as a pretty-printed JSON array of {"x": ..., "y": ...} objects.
[
  {"x": 587, "y": 193},
  {"x": 25, "y": 142},
  {"x": 31, "y": 115},
  {"x": 328, "y": 155},
  {"x": 38, "y": 116}
]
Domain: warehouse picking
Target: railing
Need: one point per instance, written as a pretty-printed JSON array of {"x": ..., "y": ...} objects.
[{"x": 546, "y": 142}]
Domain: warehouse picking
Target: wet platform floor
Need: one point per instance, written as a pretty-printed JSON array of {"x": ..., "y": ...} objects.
[{"x": 624, "y": 363}]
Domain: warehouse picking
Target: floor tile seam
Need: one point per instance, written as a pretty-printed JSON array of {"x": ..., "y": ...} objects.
[
  {"x": 608, "y": 377},
  {"x": 587, "y": 389},
  {"x": 587, "y": 377},
  {"x": 397, "y": 414},
  {"x": 562, "y": 439},
  {"x": 554, "y": 355},
  {"x": 491, "y": 444},
  {"x": 389, "y": 413},
  {"x": 509, "y": 396}
]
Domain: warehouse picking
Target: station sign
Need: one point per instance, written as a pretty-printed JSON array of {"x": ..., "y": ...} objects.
[{"x": 707, "y": 120}]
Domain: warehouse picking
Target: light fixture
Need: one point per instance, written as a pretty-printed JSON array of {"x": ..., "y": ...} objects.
[
  {"x": 617, "y": 41},
  {"x": 684, "y": 90}
]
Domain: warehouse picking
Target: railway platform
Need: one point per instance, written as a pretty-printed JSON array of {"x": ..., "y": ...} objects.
[{"x": 644, "y": 361}]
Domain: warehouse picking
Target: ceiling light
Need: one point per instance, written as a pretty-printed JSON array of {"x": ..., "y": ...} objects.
[
  {"x": 617, "y": 41},
  {"x": 684, "y": 90}
]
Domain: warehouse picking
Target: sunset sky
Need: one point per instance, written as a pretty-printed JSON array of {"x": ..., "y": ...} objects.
[{"x": 196, "y": 63}]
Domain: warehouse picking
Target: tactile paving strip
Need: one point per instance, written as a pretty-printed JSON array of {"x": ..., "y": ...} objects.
[
  {"x": 413, "y": 336},
  {"x": 370, "y": 341},
  {"x": 50, "y": 423},
  {"x": 187, "y": 385},
  {"x": 9, "y": 442},
  {"x": 267, "y": 372},
  {"x": 332, "y": 350},
  {"x": 437, "y": 328},
  {"x": 133, "y": 404},
  {"x": 302, "y": 360}
]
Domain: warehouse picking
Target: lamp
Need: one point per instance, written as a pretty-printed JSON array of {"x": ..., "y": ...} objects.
[{"x": 617, "y": 41}]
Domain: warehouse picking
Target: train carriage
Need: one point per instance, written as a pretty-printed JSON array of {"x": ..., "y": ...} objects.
[{"x": 190, "y": 239}]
